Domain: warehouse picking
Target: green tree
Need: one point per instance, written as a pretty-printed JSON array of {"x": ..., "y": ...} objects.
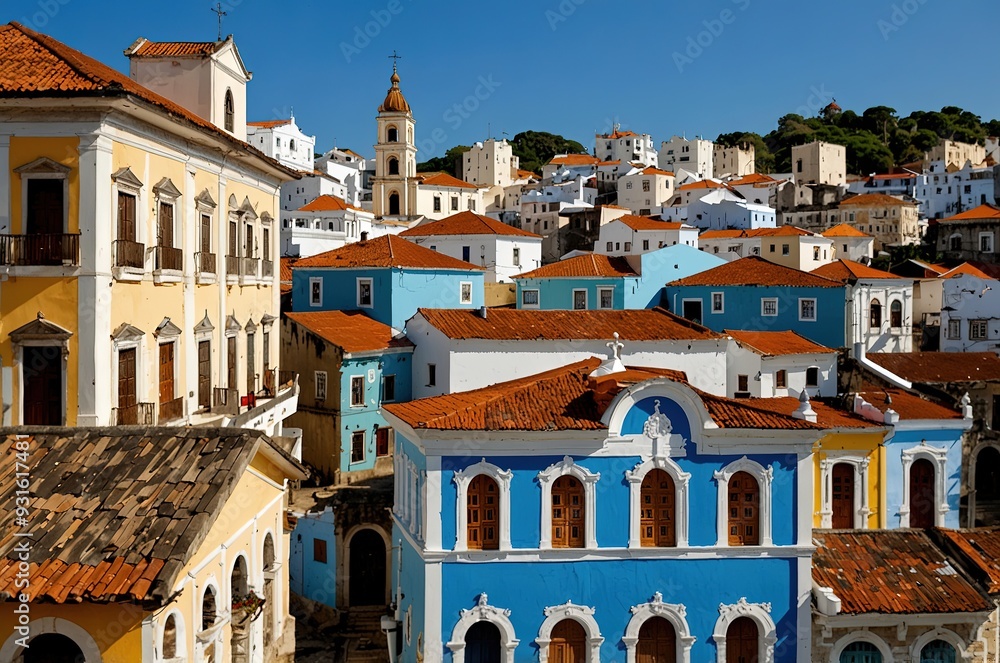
[
  {"x": 536, "y": 148},
  {"x": 450, "y": 163}
]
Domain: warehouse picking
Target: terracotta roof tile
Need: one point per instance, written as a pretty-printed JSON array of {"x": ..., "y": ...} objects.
[
  {"x": 749, "y": 413},
  {"x": 844, "y": 230},
  {"x": 506, "y": 324},
  {"x": 829, "y": 413},
  {"x": 875, "y": 200},
  {"x": 466, "y": 223},
  {"x": 895, "y": 572},
  {"x": 176, "y": 49},
  {"x": 940, "y": 367},
  {"x": 652, "y": 170},
  {"x": 847, "y": 271},
  {"x": 526, "y": 174},
  {"x": 617, "y": 133},
  {"x": 979, "y": 549},
  {"x": 588, "y": 266},
  {"x": 385, "y": 251},
  {"x": 327, "y": 203},
  {"x": 981, "y": 213},
  {"x": 443, "y": 179},
  {"x": 755, "y": 271},
  {"x": 777, "y": 343},
  {"x": 285, "y": 272},
  {"x": 893, "y": 176},
  {"x": 907, "y": 405},
  {"x": 574, "y": 160},
  {"x": 646, "y": 223},
  {"x": 779, "y": 231},
  {"x": 351, "y": 331},
  {"x": 977, "y": 269},
  {"x": 702, "y": 184},
  {"x": 271, "y": 124},
  {"x": 752, "y": 178}
]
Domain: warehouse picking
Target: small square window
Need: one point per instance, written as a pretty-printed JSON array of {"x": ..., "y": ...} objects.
[
  {"x": 365, "y": 293},
  {"x": 812, "y": 377},
  {"x": 315, "y": 291},
  {"x": 784, "y": 249},
  {"x": 954, "y": 329},
  {"x": 718, "y": 302},
  {"x": 606, "y": 298},
  {"x": 319, "y": 384},
  {"x": 319, "y": 551},
  {"x": 781, "y": 379},
  {"x": 807, "y": 309},
  {"x": 769, "y": 306},
  {"x": 465, "y": 292},
  {"x": 580, "y": 300},
  {"x": 517, "y": 257},
  {"x": 978, "y": 330},
  {"x": 454, "y": 203},
  {"x": 357, "y": 391},
  {"x": 986, "y": 242},
  {"x": 529, "y": 299}
]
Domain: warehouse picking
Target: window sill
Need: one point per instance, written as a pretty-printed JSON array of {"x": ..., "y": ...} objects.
[
  {"x": 167, "y": 276},
  {"x": 205, "y": 278},
  {"x": 127, "y": 273},
  {"x": 248, "y": 280}
]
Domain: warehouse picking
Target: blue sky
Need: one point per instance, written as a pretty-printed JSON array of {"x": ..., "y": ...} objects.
[{"x": 566, "y": 66}]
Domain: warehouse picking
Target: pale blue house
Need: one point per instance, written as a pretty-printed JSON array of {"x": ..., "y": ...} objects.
[
  {"x": 389, "y": 278},
  {"x": 597, "y": 281},
  {"x": 754, "y": 294},
  {"x": 623, "y": 513}
]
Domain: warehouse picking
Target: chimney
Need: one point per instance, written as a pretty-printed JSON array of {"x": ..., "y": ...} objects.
[
  {"x": 482, "y": 312},
  {"x": 364, "y": 235}
]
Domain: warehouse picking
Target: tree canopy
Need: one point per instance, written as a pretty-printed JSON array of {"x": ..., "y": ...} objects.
[{"x": 536, "y": 148}]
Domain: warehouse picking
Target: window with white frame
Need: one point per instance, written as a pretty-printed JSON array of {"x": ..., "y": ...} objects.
[
  {"x": 744, "y": 469},
  {"x": 483, "y": 492},
  {"x": 580, "y": 514},
  {"x": 517, "y": 256},
  {"x": 357, "y": 391},
  {"x": 358, "y": 446},
  {"x": 315, "y": 291},
  {"x": 580, "y": 300},
  {"x": 319, "y": 385},
  {"x": 605, "y": 298},
  {"x": 365, "y": 293},
  {"x": 978, "y": 330},
  {"x": 465, "y": 296},
  {"x": 807, "y": 309},
  {"x": 769, "y": 306},
  {"x": 529, "y": 299},
  {"x": 954, "y": 331},
  {"x": 718, "y": 302},
  {"x": 986, "y": 242}
]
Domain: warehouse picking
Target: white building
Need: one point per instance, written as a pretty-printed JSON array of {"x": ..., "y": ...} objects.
[
  {"x": 819, "y": 163},
  {"x": 850, "y": 243},
  {"x": 473, "y": 349},
  {"x": 758, "y": 188},
  {"x": 879, "y": 311},
  {"x": 941, "y": 193},
  {"x": 283, "y": 141},
  {"x": 775, "y": 364},
  {"x": 324, "y": 224},
  {"x": 490, "y": 163},
  {"x": 736, "y": 161},
  {"x": 501, "y": 249},
  {"x": 566, "y": 167},
  {"x": 542, "y": 208},
  {"x": 892, "y": 184},
  {"x": 970, "y": 312},
  {"x": 635, "y": 235},
  {"x": 347, "y": 167},
  {"x": 625, "y": 146},
  {"x": 644, "y": 190},
  {"x": 695, "y": 155},
  {"x": 722, "y": 209},
  {"x": 784, "y": 245},
  {"x": 689, "y": 192},
  {"x": 308, "y": 188},
  {"x": 439, "y": 195}
]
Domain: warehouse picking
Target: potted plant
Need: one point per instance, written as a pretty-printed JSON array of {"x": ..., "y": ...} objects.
[{"x": 247, "y": 608}]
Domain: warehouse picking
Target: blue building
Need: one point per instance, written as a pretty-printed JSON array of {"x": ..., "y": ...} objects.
[
  {"x": 597, "y": 281},
  {"x": 598, "y": 513},
  {"x": 389, "y": 278},
  {"x": 756, "y": 295}
]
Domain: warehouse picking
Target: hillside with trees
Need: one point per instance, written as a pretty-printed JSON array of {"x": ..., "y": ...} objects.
[{"x": 534, "y": 148}]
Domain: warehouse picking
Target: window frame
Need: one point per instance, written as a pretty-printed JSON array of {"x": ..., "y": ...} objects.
[
  {"x": 362, "y": 281},
  {"x": 463, "y": 479},
  {"x": 586, "y": 303},
  {"x": 985, "y": 236},
  {"x": 388, "y": 379},
  {"x": 524, "y": 291},
  {"x": 764, "y": 301},
  {"x": 722, "y": 302},
  {"x": 763, "y": 476},
  {"x": 319, "y": 378},
  {"x": 605, "y": 290},
  {"x": 547, "y": 477},
  {"x": 681, "y": 479},
  {"x": 979, "y": 329},
  {"x": 357, "y": 379},
  {"x": 953, "y": 331},
  {"x": 356, "y": 435},
  {"x": 315, "y": 301},
  {"x": 463, "y": 296},
  {"x": 802, "y": 302}
]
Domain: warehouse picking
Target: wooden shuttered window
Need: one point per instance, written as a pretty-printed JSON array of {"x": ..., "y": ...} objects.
[{"x": 482, "y": 502}]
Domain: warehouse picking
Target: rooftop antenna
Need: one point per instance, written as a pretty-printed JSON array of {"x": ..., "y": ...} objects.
[
  {"x": 394, "y": 58},
  {"x": 218, "y": 10}
]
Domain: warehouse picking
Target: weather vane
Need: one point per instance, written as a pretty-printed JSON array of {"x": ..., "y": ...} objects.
[{"x": 218, "y": 10}]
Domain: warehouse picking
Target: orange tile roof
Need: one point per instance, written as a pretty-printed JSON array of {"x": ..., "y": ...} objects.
[
  {"x": 589, "y": 266},
  {"x": 752, "y": 178},
  {"x": 894, "y": 572},
  {"x": 616, "y": 162},
  {"x": 175, "y": 49},
  {"x": 977, "y": 270},
  {"x": 755, "y": 271},
  {"x": 616, "y": 207},
  {"x": 779, "y": 231},
  {"x": 940, "y": 367},
  {"x": 875, "y": 200},
  {"x": 574, "y": 160},
  {"x": 652, "y": 170},
  {"x": 509, "y": 324},
  {"x": 270, "y": 124},
  {"x": 385, "y": 251},
  {"x": 776, "y": 343},
  {"x": 351, "y": 331},
  {"x": 893, "y": 176},
  {"x": 526, "y": 174},
  {"x": 566, "y": 399},
  {"x": 844, "y": 230},
  {"x": 36, "y": 65},
  {"x": 702, "y": 184},
  {"x": 848, "y": 271},
  {"x": 829, "y": 413},
  {"x": 645, "y": 223},
  {"x": 443, "y": 179},
  {"x": 983, "y": 212},
  {"x": 979, "y": 549},
  {"x": 618, "y": 134},
  {"x": 466, "y": 223},
  {"x": 907, "y": 405},
  {"x": 327, "y": 203},
  {"x": 285, "y": 273}
]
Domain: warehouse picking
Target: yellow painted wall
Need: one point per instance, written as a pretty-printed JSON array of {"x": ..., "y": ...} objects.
[
  {"x": 864, "y": 443},
  {"x": 115, "y": 628},
  {"x": 24, "y": 150}
]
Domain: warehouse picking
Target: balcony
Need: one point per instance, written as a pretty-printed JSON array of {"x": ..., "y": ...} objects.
[
  {"x": 205, "y": 267},
  {"x": 168, "y": 264},
  {"x": 232, "y": 268},
  {"x": 130, "y": 260},
  {"x": 266, "y": 269},
  {"x": 225, "y": 401},
  {"x": 171, "y": 411},
  {"x": 248, "y": 270},
  {"x": 40, "y": 250},
  {"x": 140, "y": 414}
]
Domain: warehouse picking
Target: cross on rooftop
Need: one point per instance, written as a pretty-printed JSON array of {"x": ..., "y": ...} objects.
[
  {"x": 394, "y": 58},
  {"x": 218, "y": 10}
]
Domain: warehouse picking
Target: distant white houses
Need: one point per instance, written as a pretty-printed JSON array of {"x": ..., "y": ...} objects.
[
  {"x": 350, "y": 169},
  {"x": 695, "y": 155},
  {"x": 643, "y": 190},
  {"x": 850, "y": 243},
  {"x": 327, "y": 223},
  {"x": 566, "y": 167},
  {"x": 283, "y": 141},
  {"x": 970, "y": 312},
  {"x": 775, "y": 364},
  {"x": 719, "y": 208},
  {"x": 625, "y": 146},
  {"x": 784, "y": 245},
  {"x": 635, "y": 235}
]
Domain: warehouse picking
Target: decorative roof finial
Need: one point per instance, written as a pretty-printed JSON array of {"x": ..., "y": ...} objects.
[{"x": 616, "y": 347}]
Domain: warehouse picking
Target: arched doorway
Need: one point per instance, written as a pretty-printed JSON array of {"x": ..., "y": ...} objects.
[
  {"x": 367, "y": 568},
  {"x": 394, "y": 204},
  {"x": 482, "y": 643},
  {"x": 269, "y": 607},
  {"x": 987, "y": 486},
  {"x": 922, "y": 493},
  {"x": 842, "y": 496},
  {"x": 657, "y": 642},
  {"x": 861, "y": 652},
  {"x": 937, "y": 651},
  {"x": 569, "y": 643},
  {"x": 741, "y": 641},
  {"x": 52, "y": 648}
]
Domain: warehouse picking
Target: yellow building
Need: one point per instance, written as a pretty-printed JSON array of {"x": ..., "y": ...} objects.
[
  {"x": 890, "y": 220},
  {"x": 163, "y": 555},
  {"x": 137, "y": 261}
]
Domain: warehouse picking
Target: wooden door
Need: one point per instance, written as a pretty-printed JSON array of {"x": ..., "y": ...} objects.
[
  {"x": 206, "y": 234},
  {"x": 367, "y": 568},
  {"x": 126, "y": 378},
  {"x": 165, "y": 225},
  {"x": 205, "y": 374},
  {"x": 126, "y": 217},
  {"x": 231, "y": 362},
  {"x": 568, "y": 643},
  {"x": 656, "y": 519},
  {"x": 233, "y": 244},
  {"x": 922, "y": 494},
  {"x": 744, "y": 510},
  {"x": 166, "y": 373},
  {"x": 45, "y": 207},
  {"x": 41, "y": 375},
  {"x": 483, "y": 514},
  {"x": 251, "y": 365},
  {"x": 741, "y": 641},
  {"x": 842, "y": 496},
  {"x": 567, "y": 513},
  {"x": 657, "y": 642}
]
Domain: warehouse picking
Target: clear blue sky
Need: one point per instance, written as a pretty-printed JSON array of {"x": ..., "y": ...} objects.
[{"x": 571, "y": 67}]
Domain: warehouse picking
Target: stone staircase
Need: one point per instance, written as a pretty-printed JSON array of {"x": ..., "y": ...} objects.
[{"x": 366, "y": 643}]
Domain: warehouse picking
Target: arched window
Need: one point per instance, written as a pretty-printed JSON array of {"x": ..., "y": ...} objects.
[
  {"x": 482, "y": 504},
  {"x": 937, "y": 651},
  {"x": 208, "y": 609},
  {"x": 53, "y": 648},
  {"x": 744, "y": 510},
  {"x": 229, "y": 110},
  {"x": 291, "y": 144},
  {"x": 568, "y": 516},
  {"x": 393, "y": 204},
  {"x": 392, "y": 135},
  {"x": 170, "y": 637},
  {"x": 268, "y": 557},
  {"x": 657, "y": 642},
  {"x": 922, "y": 493},
  {"x": 482, "y": 643},
  {"x": 657, "y": 524},
  {"x": 842, "y": 496},
  {"x": 861, "y": 652},
  {"x": 238, "y": 587},
  {"x": 393, "y": 166},
  {"x": 569, "y": 643},
  {"x": 896, "y": 314},
  {"x": 741, "y": 641},
  {"x": 875, "y": 315}
]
